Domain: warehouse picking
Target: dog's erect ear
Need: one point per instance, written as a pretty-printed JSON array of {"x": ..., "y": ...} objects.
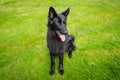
[
  {"x": 65, "y": 13},
  {"x": 52, "y": 13}
]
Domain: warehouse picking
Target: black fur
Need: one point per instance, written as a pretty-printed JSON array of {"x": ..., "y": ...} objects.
[{"x": 57, "y": 47}]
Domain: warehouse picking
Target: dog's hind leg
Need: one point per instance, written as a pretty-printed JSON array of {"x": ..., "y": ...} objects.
[
  {"x": 61, "y": 70},
  {"x": 52, "y": 70},
  {"x": 70, "y": 54},
  {"x": 71, "y": 46}
]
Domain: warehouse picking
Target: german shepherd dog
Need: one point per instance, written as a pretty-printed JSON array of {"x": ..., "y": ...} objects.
[{"x": 58, "y": 40}]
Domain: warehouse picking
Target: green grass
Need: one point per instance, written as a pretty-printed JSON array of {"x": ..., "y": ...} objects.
[{"x": 23, "y": 49}]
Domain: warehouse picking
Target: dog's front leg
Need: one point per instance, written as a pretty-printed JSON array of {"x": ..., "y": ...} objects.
[
  {"x": 61, "y": 70},
  {"x": 52, "y": 70}
]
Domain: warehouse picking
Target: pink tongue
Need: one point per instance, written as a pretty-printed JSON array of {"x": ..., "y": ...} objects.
[{"x": 62, "y": 37}]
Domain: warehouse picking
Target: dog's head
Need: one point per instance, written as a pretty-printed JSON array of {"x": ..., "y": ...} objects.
[{"x": 57, "y": 22}]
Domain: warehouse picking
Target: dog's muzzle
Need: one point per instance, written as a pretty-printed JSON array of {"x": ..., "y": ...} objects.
[{"x": 61, "y": 36}]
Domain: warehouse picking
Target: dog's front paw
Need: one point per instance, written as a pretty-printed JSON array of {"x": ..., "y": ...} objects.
[
  {"x": 51, "y": 72},
  {"x": 61, "y": 72}
]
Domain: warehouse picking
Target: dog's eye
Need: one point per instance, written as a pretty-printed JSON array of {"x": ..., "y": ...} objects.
[
  {"x": 64, "y": 22},
  {"x": 59, "y": 21}
]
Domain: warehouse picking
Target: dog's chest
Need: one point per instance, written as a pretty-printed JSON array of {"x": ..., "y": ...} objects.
[{"x": 54, "y": 43}]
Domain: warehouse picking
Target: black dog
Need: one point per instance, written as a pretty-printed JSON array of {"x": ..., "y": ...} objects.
[{"x": 58, "y": 40}]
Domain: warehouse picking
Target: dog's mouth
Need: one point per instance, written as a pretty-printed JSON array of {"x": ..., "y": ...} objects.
[{"x": 61, "y": 36}]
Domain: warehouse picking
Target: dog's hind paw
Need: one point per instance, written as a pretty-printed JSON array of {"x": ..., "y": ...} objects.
[
  {"x": 70, "y": 54},
  {"x": 74, "y": 47},
  {"x": 51, "y": 72}
]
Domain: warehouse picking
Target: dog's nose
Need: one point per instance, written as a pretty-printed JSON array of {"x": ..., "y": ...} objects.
[{"x": 65, "y": 32}]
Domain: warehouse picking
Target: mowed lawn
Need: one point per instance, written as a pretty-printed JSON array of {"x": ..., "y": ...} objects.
[{"x": 23, "y": 48}]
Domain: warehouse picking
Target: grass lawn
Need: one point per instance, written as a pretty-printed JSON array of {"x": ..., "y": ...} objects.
[{"x": 23, "y": 49}]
